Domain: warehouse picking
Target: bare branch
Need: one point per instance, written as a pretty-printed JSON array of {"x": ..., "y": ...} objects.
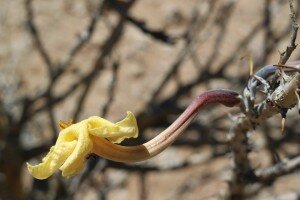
[
  {"x": 159, "y": 35},
  {"x": 282, "y": 168},
  {"x": 282, "y": 97},
  {"x": 292, "y": 46}
]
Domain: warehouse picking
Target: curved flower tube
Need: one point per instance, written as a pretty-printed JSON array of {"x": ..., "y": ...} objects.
[
  {"x": 153, "y": 147},
  {"x": 97, "y": 135}
]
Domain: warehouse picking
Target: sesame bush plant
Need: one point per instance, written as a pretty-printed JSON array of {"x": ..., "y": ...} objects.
[{"x": 92, "y": 75}]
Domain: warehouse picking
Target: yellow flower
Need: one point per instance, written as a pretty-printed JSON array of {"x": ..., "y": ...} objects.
[
  {"x": 75, "y": 142},
  {"x": 97, "y": 135}
]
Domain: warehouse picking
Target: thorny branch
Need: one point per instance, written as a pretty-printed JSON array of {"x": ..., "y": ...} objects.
[{"x": 277, "y": 101}]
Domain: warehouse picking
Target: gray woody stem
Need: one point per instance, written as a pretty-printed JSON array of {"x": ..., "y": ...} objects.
[{"x": 283, "y": 97}]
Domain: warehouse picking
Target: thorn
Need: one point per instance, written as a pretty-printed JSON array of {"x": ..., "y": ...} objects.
[
  {"x": 249, "y": 57},
  {"x": 297, "y": 67},
  {"x": 282, "y": 125},
  {"x": 251, "y": 65},
  {"x": 283, "y": 115}
]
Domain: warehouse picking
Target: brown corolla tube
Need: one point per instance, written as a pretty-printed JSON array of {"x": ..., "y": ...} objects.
[{"x": 119, "y": 153}]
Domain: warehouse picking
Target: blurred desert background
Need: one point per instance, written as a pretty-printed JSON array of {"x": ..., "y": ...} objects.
[{"x": 65, "y": 59}]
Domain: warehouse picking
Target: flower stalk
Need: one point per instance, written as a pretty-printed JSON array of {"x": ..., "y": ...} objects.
[{"x": 155, "y": 146}]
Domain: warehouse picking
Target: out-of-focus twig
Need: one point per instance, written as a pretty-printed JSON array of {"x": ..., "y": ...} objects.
[
  {"x": 282, "y": 168},
  {"x": 36, "y": 37},
  {"x": 83, "y": 37},
  {"x": 111, "y": 89},
  {"x": 192, "y": 38},
  {"x": 159, "y": 35}
]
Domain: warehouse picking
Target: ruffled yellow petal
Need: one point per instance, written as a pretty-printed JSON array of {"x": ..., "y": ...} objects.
[
  {"x": 68, "y": 154},
  {"x": 74, "y": 144},
  {"x": 76, "y": 160},
  {"x": 54, "y": 159},
  {"x": 116, "y": 133}
]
